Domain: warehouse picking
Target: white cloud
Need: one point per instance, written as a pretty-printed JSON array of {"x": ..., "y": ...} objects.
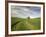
[{"x": 24, "y": 12}]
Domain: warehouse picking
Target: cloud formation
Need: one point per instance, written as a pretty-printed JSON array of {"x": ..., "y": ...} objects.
[{"x": 25, "y": 11}]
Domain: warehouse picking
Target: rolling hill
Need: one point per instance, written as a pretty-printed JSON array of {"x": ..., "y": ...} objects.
[{"x": 20, "y": 24}]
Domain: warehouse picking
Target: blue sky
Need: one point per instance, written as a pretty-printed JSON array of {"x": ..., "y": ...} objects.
[{"x": 25, "y": 11}]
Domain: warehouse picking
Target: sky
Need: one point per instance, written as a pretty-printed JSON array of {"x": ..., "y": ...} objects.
[{"x": 25, "y": 11}]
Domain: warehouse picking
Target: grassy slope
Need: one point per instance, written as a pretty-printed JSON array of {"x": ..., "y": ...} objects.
[{"x": 25, "y": 24}]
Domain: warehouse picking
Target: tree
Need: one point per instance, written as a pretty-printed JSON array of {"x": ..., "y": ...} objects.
[{"x": 28, "y": 17}]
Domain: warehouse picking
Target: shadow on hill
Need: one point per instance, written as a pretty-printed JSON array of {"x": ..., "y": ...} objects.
[{"x": 15, "y": 23}]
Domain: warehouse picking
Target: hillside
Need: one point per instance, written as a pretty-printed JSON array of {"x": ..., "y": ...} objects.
[{"x": 24, "y": 24}]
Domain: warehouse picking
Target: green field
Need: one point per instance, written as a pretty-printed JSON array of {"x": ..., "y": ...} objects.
[{"x": 21, "y": 24}]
